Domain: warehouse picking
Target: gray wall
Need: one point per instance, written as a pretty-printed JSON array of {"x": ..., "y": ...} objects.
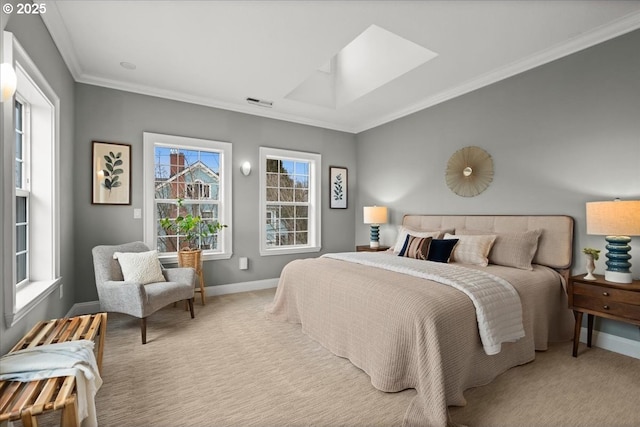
[
  {"x": 110, "y": 115},
  {"x": 34, "y": 38},
  {"x": 560, "y": 135}
]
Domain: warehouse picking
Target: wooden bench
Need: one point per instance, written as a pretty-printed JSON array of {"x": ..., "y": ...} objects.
[{"x": 25, "y": 400}]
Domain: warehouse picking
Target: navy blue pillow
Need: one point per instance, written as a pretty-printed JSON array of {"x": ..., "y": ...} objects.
[{"x": 440, "y": 249}]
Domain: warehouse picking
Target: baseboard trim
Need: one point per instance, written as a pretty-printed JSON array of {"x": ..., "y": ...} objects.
[
  {"x": 232, "y": 288},
  {"x": 82, "y": 308},
  {"x": 613, "y": 343}
]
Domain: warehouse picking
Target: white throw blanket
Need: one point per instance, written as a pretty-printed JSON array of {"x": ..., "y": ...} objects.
[
  {"x": 59, "y": 360},
  {"x": 497, "y": 303}
]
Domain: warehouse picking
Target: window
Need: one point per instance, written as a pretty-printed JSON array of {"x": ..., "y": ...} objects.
[
  {"x": 31, "y": 219},
  {"x": 22, "y": 195},
  {"x": 196, "y": 173},
  {"x": 289, "y": 201}
]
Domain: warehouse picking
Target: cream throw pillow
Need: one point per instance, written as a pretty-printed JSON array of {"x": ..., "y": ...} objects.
[
  {"x": 140, "y": 267},
  {"x": 472, "y": 249},
  {"x": 515, "y": 249}
]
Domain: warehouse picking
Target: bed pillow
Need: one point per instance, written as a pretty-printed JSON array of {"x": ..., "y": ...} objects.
[
  {"x": 512, "y": 249},
  {"x": 403, "y": 232},
  {"x": 472, "y": 249},
  {"x": 440, "y": 249},
  {"x": 140, "y": 267},
  {"x": 416, "y": 247}
]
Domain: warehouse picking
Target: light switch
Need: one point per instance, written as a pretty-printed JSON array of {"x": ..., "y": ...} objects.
[{"x": 137, "y": 213}]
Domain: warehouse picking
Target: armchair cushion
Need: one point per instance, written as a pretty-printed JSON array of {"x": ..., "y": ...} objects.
[{"x": 140, "y": 267}]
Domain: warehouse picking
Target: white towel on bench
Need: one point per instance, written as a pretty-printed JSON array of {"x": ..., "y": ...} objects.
[{"x": 59, "y": 360}]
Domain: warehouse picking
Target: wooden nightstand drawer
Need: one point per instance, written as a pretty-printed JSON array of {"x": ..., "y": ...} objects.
[
  {"x": 600, "y": 297},
  {"x": 608, "y": 306},
  {"x": 618, "y": 295}
]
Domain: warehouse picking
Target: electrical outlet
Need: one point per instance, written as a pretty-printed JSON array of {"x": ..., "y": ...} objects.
[
  {"x": 61, "y": 291},
  {"x": 244, "y": 263}
]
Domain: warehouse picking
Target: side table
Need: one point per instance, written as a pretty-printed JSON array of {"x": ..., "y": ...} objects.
[{"x": 617, "y": 301}]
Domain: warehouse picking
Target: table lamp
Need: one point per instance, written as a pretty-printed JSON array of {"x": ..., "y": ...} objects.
[
  {"x": 617, "y": 220},
  {"x": 375, "y": 215}
]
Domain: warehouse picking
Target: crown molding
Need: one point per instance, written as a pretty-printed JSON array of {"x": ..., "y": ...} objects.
[
  {"x": 209, "y": 102},
  {"x": 55, "y": 25}
]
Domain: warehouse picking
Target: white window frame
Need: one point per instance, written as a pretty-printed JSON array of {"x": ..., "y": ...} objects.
[
  {"x": 22, "y": 188},
  {"x": 42, "y": 129},
  {"x": 150, "y": 141},
  {"x": 315, "y": 204}
]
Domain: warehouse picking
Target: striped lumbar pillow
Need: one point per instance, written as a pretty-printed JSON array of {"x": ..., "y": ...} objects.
[{"x": 416, "y": 247}]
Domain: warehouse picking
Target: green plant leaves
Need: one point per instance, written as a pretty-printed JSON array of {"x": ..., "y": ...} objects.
[
  {"x": 111, "y": 174},
  {"x": 338, "y": 192},
  {"x": 191, "y": 227}
]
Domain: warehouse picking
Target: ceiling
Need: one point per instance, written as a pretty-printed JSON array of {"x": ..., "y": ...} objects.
[{"x": 218, "y": 53}]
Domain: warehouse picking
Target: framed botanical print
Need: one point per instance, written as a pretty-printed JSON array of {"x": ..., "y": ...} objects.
[
  {"x": 338, "y": 180},
  {"x": 111, "y": 171}
]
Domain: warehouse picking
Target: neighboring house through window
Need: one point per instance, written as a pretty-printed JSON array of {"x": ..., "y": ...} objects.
[
  {"x": 31, "y": 208},
  {"x": 289, "y": 201},
  {"x": 198, "y": 173}
]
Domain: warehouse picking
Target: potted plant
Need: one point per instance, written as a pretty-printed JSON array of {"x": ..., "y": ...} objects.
[
  {"x": 190, "y": 228},
  {"x": 592, "y": 256}
]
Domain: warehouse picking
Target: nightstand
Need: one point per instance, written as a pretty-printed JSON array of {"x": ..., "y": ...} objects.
[
  {"x": 617, "y": 301},
  {"x": 367, "y": 248}
]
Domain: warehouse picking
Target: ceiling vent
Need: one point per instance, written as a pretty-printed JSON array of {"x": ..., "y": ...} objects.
[{"x": 260, "y": 102}]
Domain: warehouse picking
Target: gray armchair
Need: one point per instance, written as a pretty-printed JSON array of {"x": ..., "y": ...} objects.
[{"x": 136, "y": 299}]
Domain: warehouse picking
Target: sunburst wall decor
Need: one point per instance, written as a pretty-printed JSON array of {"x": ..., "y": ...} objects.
[{"x": 469, "y": 171}]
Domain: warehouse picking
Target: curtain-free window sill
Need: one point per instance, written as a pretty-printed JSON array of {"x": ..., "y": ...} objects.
[
  {"x": 289, "y": 250},
  {"x": 172, "y": 259},
  {"x": 29, "y": 296}
]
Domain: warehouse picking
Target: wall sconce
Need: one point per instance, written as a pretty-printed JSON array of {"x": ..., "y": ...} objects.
[
  {"x": 246, "y": 168},
  {"x": 8, "y": 81},
  {"x": 375, "y": 215},
  {"x": 617, "y": 220}
]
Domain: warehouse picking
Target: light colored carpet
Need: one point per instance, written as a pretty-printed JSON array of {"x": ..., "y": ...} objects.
[{"x": 230, "y": 366}]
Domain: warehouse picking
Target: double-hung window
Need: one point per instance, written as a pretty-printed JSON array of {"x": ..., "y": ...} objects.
[
  {"x": 22, "y": 194},
  {"x": 31, "y": 188},
  {"x": 289, "y": 201},
  {"x": 185, "y": 176}
]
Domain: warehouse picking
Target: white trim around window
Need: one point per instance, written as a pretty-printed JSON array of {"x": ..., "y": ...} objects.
[
  {"x": 313, "y": 242},
  {"x": 150, "y": 141},
  {"x": 43, "y": 126}
]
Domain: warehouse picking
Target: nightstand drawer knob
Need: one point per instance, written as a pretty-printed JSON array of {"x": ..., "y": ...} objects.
[
  {"x": 606, "y": 294},
  {"x": 606, "y": 307}
]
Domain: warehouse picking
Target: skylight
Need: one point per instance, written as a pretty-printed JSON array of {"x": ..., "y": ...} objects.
[{"x": 371, "y": 60}]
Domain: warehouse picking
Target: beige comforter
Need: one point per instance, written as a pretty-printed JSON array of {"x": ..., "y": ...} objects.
[{"x": 408, "y": 332}]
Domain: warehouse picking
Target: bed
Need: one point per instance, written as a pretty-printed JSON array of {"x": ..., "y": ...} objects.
[{"x": 397, "y": 318}]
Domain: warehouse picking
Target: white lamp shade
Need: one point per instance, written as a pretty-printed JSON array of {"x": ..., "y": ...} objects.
[
  {"x": 8, "y": 81},
  {"x": 375, "y": 215},
  {"x": 614, "y": 218}
]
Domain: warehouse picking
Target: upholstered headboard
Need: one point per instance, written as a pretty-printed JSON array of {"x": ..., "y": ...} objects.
[{"x": 555, "y": 246}]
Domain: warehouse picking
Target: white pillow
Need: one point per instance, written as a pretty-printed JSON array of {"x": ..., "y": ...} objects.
[
  {"x": 472, "y": 249},
  {"x": 140, "y": 267},
  {"x": 404, "y": 231}
]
